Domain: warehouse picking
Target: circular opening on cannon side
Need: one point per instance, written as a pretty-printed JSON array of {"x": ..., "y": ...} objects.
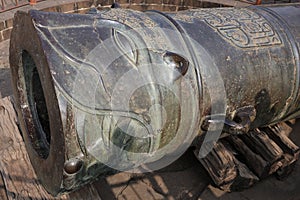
[{"x": 39, "y": 127}]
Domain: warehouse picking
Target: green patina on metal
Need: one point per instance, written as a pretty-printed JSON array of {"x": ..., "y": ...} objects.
[{"x": 123, "y": 88}]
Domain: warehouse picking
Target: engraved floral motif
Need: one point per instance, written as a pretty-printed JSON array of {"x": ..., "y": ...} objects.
[{"x": 243, "y": 27}]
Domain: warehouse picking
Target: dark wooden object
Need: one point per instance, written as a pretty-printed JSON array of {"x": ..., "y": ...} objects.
[
  {"x": 226, "y": 171},
  {"x": 238, "y": 161}
]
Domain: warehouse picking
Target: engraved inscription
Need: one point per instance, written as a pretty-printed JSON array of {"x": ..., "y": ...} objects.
[{"x": 243, "y": 27}]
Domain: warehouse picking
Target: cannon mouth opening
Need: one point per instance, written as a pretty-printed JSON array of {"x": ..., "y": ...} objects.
[{"x": 39, "y": 131}]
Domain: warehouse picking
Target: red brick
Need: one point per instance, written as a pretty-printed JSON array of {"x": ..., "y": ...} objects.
[
  {"x": 2, "y": 25},
  {"x": 9, "y": 23},
  {"x": 169, "y": 8},
  {"x": 137, "y": 1},
  {"x": 127, "y": 6},
  {"x": 58, "y": 9},
  {"x": 109, "y": 2},
  {"x": 198, "y": 4},
  {"x": 154, "y": 2},
  {"x": 67, "y": 7},
  {"x": 155, "y": 7},
  {"x": 121, "y": 2},
  {"x": 50, "y": 9},
  {"x": 187, "y": 3},
  {"x": 137, "y": 7},
  {"x": 172, "y": 2},
  {"x": 1, "y": 37},
  {"x": 84, "y": 4},
  {"x": 6, "y": 33}
]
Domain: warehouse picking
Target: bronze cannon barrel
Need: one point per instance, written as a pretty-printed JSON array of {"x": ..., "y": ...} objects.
[{"x": 118, "y": 89}]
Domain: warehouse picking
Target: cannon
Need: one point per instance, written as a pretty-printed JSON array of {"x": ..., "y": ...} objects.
[{"x": 122, "y": 90}]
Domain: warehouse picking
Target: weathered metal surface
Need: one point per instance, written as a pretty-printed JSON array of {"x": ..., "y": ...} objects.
[
  {"x": 113, "y": 90},
  {"x": 12, "y": 4}
]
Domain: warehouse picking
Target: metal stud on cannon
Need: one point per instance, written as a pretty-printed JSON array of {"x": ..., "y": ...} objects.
[{"x": 120, "y": 90}]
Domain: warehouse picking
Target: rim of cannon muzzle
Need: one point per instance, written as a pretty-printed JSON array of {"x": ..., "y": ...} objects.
[{"x": 37, "y": 105}]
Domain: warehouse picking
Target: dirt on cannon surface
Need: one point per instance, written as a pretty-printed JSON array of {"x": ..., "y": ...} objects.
[{"x": 184, "y": 179}]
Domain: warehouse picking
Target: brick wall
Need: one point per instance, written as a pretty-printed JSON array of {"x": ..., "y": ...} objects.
[
  {"x": 161, "y": 5},
  {"x": 81, "y": 6},
  {"x": 71, "y": 6},
  {"x": 5, "y": 29}
]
